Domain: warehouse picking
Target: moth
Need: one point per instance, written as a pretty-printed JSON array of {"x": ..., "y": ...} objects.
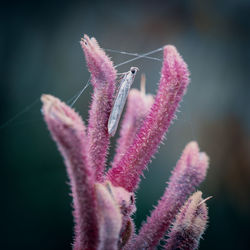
[{"x": 120, "y": 100}]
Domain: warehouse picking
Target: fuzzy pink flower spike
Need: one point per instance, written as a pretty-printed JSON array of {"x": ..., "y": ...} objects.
[
  {"x": 190, "y": 224},
  {"x": 68, "y": 131},
  {"x": 173, "y": 83},
  {"x": 105, "y": 202},
  {"x": 189, "y": 172},
  {"x": 103, "y": 76}
]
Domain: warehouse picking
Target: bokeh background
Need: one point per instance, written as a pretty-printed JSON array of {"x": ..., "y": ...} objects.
[{"x": 40, "y": 53}]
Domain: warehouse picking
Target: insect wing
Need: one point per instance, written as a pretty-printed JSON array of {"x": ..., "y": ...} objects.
[{"x": 118, "y": 107}]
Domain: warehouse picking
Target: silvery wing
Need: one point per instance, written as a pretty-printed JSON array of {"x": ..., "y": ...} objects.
[{"x": 118, "y": 107}]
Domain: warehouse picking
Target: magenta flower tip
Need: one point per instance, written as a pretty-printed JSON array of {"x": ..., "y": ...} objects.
[
  {"x": 56, "y": 111},
  {"x": 195, "y": 160},
  {"x": 99, "y": 64}
]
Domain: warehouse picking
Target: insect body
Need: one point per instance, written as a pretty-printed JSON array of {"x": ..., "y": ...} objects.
[{"x": 120, "y": 100}]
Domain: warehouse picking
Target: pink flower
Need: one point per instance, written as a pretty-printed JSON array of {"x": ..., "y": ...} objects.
[
  {"x": 104, "y": 201},
  {"x": 189, "y": 225}
]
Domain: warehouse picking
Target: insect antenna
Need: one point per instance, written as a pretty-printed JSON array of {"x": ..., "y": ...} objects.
[{"x": 74, "y": 99}]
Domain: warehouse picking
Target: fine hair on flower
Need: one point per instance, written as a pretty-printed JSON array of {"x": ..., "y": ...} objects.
[{"x": 104, "y": 200}]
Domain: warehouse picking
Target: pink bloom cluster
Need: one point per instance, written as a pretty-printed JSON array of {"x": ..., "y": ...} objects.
[{"x": 104, "y": 201}]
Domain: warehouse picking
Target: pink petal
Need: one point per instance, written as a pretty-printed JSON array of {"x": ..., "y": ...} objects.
[{"x": 68, "y": 131}]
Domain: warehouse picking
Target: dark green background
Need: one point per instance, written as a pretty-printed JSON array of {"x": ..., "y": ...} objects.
[{"x": 40, "y": 53}]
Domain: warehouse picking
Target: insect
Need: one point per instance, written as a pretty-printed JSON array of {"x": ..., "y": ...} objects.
[{"x": 120, "y": 100}]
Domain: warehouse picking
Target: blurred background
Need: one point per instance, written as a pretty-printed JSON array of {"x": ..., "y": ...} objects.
[{"x": 40, "y": 53}]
